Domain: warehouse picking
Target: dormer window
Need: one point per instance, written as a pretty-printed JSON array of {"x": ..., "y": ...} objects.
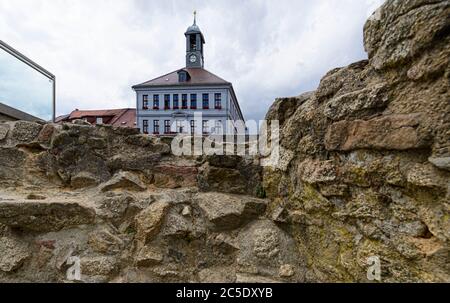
[{"x": 183, "y": 76}]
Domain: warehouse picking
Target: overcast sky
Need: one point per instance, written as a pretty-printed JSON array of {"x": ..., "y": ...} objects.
[{"x": 98, "y": 49}]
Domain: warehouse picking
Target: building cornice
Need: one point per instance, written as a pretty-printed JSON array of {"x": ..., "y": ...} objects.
[{"x": 180, "y": 86}]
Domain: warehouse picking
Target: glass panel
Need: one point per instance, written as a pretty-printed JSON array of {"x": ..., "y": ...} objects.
[
  {"x": 218, "y": 101},
  {"x": 194, "y": 101},
  {"x": 206, "y": 101},
  {"x": 156, "y": 101},
  {"x": 25, "y": 89},
  {"x": 184, "y": 101},
  {"x": 167, "y": 101}
]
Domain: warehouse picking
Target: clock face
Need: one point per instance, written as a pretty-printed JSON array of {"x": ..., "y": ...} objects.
[{"x": 193, "y": 59}]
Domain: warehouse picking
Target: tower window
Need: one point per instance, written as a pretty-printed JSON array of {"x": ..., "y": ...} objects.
[
  {"x": 193, "y": 42},
  {"x": 184, "y": 101},
  {"x": 193, "y": 101},
  {"x": 205, "y": 101}
]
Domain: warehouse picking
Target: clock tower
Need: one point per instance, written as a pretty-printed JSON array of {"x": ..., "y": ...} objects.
[
  {"x": 169, "y": 105},
  {"x": 194, "y": 46}
]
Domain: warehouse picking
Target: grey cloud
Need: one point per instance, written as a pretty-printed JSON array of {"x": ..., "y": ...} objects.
[{"x": 268, "y": 49}]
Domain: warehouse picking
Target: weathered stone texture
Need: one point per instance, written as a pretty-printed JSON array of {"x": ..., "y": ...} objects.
[
  {"x": 363, "y": 172},
  {"x": 44, "y": 216},
  {"x": 394, "y": 132},
  {"x": 370, "y": 171}
]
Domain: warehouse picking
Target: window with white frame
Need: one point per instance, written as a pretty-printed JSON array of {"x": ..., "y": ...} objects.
[
  {"x": 205, "y": 101},
  {"x": 218, "y": 127},
  {"x": 156, "y": 126},
  {"x": 156, "y": 102},
  {"x": 205, "y": 126},
  {"x": 145, "y": 102},
  {"x": 193, "y": 126},
  {"x": 180, "y": 126},
  {"x": 176, "y": 101},
  {"x": 218, "y": 101},
  {"x": 167, "y": 127},
  {"x": 145, "y": 126}
]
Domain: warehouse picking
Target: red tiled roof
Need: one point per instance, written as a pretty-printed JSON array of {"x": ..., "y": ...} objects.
[
  {"x": 125, "y": 117},
  {"x": 198, "y": 76},
  {"x": 61, "y": 118},
  {"x": 78, "y": 114}
]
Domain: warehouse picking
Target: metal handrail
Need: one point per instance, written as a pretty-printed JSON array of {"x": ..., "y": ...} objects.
[{"x": 36, "y": 67}]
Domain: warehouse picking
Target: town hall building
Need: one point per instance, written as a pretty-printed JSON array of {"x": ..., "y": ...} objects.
[{"x": 170, "y": 104}]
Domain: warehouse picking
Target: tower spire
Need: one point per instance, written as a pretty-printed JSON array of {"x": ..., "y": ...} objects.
[{"x": 194, "y": 45}]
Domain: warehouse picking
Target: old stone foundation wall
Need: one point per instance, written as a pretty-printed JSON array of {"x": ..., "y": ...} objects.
[
  {"x": 364, "y": 172},
  {"x": 366, "y": 157}
]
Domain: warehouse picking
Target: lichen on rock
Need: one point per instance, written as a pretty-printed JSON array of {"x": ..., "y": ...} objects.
[{"x": 371, "y": 147}]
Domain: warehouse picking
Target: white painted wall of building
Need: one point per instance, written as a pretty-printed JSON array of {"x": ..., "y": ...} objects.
[{"x": 227, "y": 113}]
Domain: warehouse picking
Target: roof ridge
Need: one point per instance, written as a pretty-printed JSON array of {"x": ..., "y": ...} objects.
[
  {"x": 97, "y": 110},
  {"x": 199, "y": 76}
]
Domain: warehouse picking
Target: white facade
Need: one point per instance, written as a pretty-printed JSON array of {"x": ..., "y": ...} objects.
[{"x": 176, "y": 118}]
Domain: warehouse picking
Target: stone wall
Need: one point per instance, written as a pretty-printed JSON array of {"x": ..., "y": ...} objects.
[
  {"x": 368, "y": 155},
  {"x": 131, "y": 211},
  {"x": 364, "y": 172}
]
